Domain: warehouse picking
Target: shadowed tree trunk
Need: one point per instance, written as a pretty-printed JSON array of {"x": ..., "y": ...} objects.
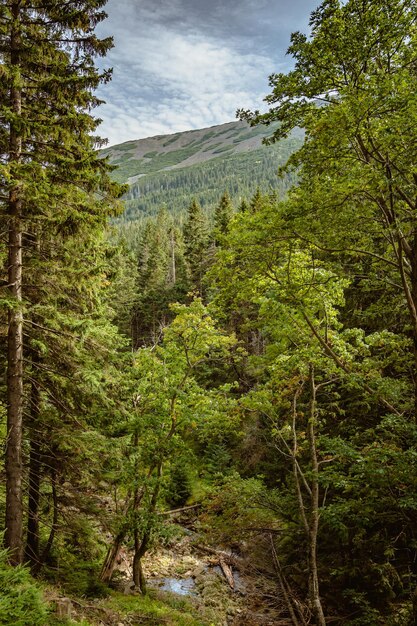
[
  {"x": 54, "y": 526},
  {"x": 141, "y": 547},
  {"x": 35, "y": 465},
  {"x": 309, "y": 503}
]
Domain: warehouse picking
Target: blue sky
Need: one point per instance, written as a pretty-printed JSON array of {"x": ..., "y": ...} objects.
[{"x": 185, "y": 64}]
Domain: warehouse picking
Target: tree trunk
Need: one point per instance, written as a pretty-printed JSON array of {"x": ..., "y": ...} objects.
[
  {"x": 314, "y": 591},
  {"x": 45, "y": 554},
  {"x": 32, "y": 541},
  {"x": 13, "y": 456},
  {"x": 114, "y": 549},
  {"x": 141, "y": 547},
  {"x": 286, "y": 593},
  {"x": 413, "y": 263},
  {"x": 138, "y": 575},
  {"x": 112, "y": 556}
]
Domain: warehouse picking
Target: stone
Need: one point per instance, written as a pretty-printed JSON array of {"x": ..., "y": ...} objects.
[{"x": 129, "y": 588}]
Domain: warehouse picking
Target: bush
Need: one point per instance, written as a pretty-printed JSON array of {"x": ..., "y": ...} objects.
[{"x": 21, "y": 602}]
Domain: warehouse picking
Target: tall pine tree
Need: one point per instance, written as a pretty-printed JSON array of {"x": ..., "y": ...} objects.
[
  {"x": 196, "y": 245},
  {"x": 50, "y": 173},
  {"x": 222, "y": 215}
]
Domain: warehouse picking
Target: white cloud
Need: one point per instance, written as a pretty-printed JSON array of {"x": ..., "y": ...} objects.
[
  {"x": 184, "y": 64},
  {"x": 167, "y": 80}
]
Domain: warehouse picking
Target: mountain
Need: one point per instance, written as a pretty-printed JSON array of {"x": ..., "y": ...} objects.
[{"x": 169, "y": 170}]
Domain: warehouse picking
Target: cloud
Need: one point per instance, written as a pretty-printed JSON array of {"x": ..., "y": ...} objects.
[
  {"x": 183, "y": 64},
  {"x": 176, "y": 81}
]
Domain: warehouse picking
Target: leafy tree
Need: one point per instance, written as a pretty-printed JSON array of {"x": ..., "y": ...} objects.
[
  {"x": 352, "y": 90},
  {"x": 360, "y": 384},
  {"x": 169, "y": 404},
  {"x": 356, "y": 174}
]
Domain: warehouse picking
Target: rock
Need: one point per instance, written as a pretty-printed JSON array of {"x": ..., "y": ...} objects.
[
  {"x": 129, "y": 588},
  {"x": 198, "y": 571}
]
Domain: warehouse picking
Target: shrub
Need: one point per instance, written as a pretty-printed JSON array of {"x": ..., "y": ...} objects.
[{"x": 21, "y": 602}]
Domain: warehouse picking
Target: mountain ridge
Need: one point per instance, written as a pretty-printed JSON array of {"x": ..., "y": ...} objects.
[{"x": 168, "y": 170}]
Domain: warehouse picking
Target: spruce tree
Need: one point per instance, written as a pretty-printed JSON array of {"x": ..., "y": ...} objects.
[
  {"x": 222, "y": 215},
  {"x": 50, "y": 174},
  {"x": 196, "y": 244},
  {"x": 161, "y": 279}
]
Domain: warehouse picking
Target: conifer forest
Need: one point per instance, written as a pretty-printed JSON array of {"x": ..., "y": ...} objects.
[{"x": 208, "y": 412}]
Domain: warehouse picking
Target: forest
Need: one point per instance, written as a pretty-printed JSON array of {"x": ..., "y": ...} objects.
[{"x": 225, "y": 397}]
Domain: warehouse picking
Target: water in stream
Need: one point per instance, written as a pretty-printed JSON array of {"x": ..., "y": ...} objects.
[{"x": 181, "y": 586}]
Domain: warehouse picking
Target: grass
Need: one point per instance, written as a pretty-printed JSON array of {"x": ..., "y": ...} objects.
[
  {"x": 208, "y": 135},
  {"x": 159, "y": 162},
  {"x": 126, "y": 170},
  {"x": 171, "y": 140},
  {"x": 223, "y": 149},
  {"x": 154, "y": 609},
  {"x": 169, "y": 611},
  {"x": 211, "y": 146},
  {"x": 128, "y": 145}
]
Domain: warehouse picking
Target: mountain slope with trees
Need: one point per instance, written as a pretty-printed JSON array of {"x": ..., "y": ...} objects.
[{"x": 165, "y": 171}]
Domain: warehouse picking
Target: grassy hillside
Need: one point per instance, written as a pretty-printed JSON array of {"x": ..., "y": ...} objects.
[{"x": 164, "y": 152}]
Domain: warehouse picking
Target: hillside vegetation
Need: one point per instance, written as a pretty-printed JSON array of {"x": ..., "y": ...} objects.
[{"x": 165, "y": 171}]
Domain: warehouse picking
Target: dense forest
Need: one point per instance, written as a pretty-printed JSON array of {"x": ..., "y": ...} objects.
[{"x": 240, "y": 382}]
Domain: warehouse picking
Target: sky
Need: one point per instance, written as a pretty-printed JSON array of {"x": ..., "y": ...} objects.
[{"x": 186, "y": 64}]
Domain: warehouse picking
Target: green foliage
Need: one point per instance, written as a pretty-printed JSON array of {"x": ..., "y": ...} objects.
[
  {"x": 222, "y": 215},
  {"x": 156, "y": 611},
  {"x": 21, "y": 601},
  {"x": 241, "y": 174},
  {"x": 178, "y": 489},
  {"x": 287, "y": 405},
  {"x": 196, "y": 240},
  {"x": 63, "y": 198},
  {"x": 235, "y": 507}
]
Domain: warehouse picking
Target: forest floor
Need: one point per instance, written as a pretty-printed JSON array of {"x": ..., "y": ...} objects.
[{"x": 187, "y": 587}]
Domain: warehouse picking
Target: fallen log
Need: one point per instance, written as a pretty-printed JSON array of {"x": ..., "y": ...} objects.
[
  {"x": 184, "y": 508},
  {"x": 227, "y": 572},
  {"x": 220, "y": 554}
]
